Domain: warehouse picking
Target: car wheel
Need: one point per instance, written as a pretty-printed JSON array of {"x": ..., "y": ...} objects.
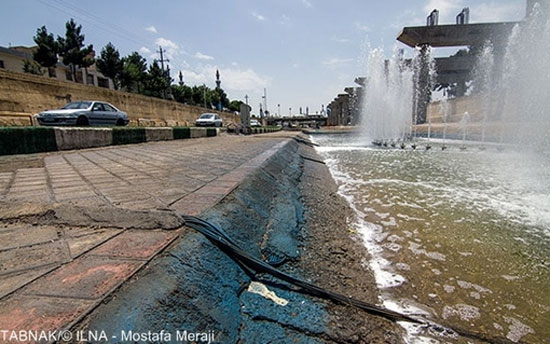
[
  {"x": 82, "y": 121},
  {"x": 120, "y": 122}
]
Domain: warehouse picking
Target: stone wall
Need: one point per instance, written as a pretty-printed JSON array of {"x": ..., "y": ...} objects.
[
  {"x": 457, "y": 107},
  {"x": 22, "y": 95}
]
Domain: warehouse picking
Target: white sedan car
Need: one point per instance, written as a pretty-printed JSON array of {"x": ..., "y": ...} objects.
[
  {"x": 209, "y": 120},
  {"x": 84, "y": 113}
]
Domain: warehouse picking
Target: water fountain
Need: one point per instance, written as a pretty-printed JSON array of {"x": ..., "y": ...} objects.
[
  {"x": 448, "y": 228},
  {"x": 484, "y": 80},
  {"x": 515, "y": 89},
  {"x": 390, "y": 93},
  {"x": 464, "y": 122},
  {"x": 388, "y": 98},
  {"x": 444, "y": 108}
]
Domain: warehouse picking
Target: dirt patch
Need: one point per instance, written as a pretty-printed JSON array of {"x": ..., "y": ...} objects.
[
  {"x": 108, "y": 217},
  {"x": 334, "y": 257},
  {"x": 11, "y": 163}
]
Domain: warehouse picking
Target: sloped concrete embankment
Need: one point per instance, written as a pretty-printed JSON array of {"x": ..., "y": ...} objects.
[{"x": 196, "y": 287}]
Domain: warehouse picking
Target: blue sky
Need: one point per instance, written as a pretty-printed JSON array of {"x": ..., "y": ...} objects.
[{"x": 303, "y": 51}]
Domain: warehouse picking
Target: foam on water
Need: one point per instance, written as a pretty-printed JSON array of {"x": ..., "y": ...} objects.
[{"x": 383, "y": 200}]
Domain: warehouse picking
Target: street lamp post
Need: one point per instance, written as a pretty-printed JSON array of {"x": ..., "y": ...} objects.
[
  {"x": 265, "y": 99},
  {"x": 204, "y": 94},
  {"x": 278, "y": 110}
]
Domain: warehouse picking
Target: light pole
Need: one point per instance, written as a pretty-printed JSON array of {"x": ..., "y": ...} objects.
[
  {"x": 278, "y": 110},
  {"x": 265, "y": 99},
  {"x": 289, "y": 111},
  {"x": 204, "y": 94}
]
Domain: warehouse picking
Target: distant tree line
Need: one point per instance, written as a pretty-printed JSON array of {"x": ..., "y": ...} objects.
[{"x": 129, "y": 73}]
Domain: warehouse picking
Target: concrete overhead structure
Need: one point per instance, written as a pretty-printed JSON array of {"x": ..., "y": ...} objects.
[
  {"x": 456, "y": 70},
  {"x": 456, "y": 34},
  {"x": 453, "y": 70}
]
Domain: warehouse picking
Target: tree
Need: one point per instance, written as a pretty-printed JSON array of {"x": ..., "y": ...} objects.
[
  {"x": 235, "y": 105},
  {"x": 221, "y": 100},
  {"x": 182, "y": 94},
  {"x": 134, "y": 73},
  {"x": 110, "y": 64},
  {"x": 201, "y": 95},
  {"x": 46, "y": 51},
  {"x": 72, "y": 48},
  {"x": 158, "y": 81},
  {"x": 32, "y": 67}
]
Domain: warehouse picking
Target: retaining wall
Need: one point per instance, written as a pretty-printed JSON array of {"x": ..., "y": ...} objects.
[{"x": 22, "y": 95}]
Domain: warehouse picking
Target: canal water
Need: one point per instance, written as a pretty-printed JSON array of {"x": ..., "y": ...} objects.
[{"x": 462, "y": 236}]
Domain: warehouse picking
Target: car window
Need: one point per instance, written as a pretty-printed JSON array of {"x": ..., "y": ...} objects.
[
  {"x": 108, "y": 107},
  {"x": 218, "y": 117},
  {"x": 77, "y": 105},
  {"x": 206, "y": 116},
  {"x": 98, "y": 107}
]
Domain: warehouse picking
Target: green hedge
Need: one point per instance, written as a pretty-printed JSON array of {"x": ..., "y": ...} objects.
[
  {"x": 26, "y": 140},
  {"x": 122, "y": 136},
  {"x": 181, "y": 133},
  {"x": 211, "y": 132}
]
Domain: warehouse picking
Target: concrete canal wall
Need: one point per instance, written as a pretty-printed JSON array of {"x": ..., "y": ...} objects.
[{"x": 22, "y": 95}]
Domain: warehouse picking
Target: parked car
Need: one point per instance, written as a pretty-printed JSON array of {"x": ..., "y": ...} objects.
[
  {"x": 209, "y": 120},
  {"x": 84, "y": 112},
  {"x": 255, "y": 123}
]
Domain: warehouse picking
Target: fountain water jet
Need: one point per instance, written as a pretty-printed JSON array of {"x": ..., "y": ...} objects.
[
  {"x": 444, "y": 107},
  {"x": 388, "y": 99},
  {"x": 515, "y": 95}
]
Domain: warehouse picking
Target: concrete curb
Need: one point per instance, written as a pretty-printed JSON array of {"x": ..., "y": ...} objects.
[
  {"x": 78, "y": 138},
  {"x": 25, "y": 140},
  {"x": 159, "y": 134}
]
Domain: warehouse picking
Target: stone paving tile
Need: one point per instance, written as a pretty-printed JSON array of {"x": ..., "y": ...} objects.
[
  {"x": 40, "y": 313},
  {"x": 135, "y": 244},
  {"x": 50, "y": 253},
  {"x": 11, "y": 283},
  {"x": 194, "y": 204},
  {"x": 69, "y": 196},
  {"x": 87, "y": 202},
  {"x": 85, "y": 278},
  {"x": 26, "y": 235},
  {"x": 81, "y": 244},
  {"x": 188, "y": 208},
  {"x": 210, "y": 189},
  {"x": 187, "y": 176},
  {"x": 5, "y": 178}
]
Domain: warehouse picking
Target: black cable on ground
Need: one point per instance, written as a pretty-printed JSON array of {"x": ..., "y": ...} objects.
[
  {"x": 220, "y": 238},
  {"x": 306, "y": 142},
  {"x": 312, "y": 159}
]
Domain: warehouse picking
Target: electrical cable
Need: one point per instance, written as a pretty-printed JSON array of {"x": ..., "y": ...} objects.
[
  {"x": 222, "y": 239},
  {"x": 90, "y": 20}
]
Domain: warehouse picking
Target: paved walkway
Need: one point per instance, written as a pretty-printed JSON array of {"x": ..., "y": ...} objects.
[{"x": 71, "y": 231}]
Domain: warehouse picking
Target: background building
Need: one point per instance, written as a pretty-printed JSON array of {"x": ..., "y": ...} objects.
[{"x": 13, "y": 59}]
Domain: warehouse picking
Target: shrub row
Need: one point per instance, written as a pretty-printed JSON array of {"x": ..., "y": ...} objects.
[
  {"x": 265, "y": 130},
  {"x": 24, "y": 140}
]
